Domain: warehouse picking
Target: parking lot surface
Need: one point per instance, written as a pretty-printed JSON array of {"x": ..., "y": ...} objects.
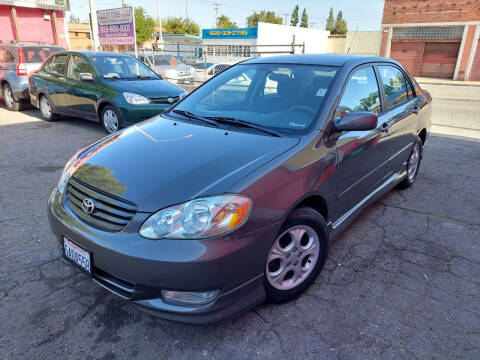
[{"x": 402, "y": 283}]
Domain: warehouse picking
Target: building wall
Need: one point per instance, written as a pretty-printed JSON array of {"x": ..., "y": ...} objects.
[
  {"x": 79, "y": 35},
  {"x": 32, "y": 26},
  {"x": 362, "y": 42},
  {"x": 336, "y": 44}
]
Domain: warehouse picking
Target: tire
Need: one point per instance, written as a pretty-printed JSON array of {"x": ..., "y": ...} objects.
[
  {"x": 9, "y": 99},
  {"x": 46, "y": 109},
  {"x": 413, "y": 164},
  {"x": 292, "y": 266},
  {"x": 110, "y": 119}
]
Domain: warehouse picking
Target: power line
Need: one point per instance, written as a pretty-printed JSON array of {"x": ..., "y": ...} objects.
[{"x": 216, "y": 6}]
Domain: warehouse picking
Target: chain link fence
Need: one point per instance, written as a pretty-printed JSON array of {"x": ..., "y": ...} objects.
[{"x": 190, "y": 65}]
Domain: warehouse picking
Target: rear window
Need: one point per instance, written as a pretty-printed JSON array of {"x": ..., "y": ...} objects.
[{"x": 38, "y": 54}]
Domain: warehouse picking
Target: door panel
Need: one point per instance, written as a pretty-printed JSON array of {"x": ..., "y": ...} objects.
[
  {"x": 362, "y": 164},
  {"x": 56, "y": 80}
]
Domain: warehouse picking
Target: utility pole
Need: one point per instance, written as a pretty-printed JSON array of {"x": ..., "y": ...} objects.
[
  {"x": 123, "y": 3},
  {"x": 160, "y": 37},
  {"x": 216, "y": 6},
  {"x": 186, "y": 9},
  {"x": 286, "y": 18},
  {"x": 94, "y": 24}
]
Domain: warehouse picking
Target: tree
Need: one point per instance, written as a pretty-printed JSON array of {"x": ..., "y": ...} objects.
[
  {"x": 177, "y": 25},
  {"x": 294, "y": 19},
  {"x": 224, "y": 22},
  {"x": 340, "y": 25},
  {"x": 263, "y": 16},
  {"x": 74, "y": 20},
  {"x": 304, "y": 22},
  {"x": 330, "y": 22},
  {"x": 144, "y": 25}
]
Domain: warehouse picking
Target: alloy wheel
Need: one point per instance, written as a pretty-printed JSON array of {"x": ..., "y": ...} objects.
[
  {"x": 9, "y": 101},
  {"x": 110, "y": 121},
  {"x": 45, "y": 107},
  {"x": 413, "y": 162},
  {"x": 292, "y": 257}
]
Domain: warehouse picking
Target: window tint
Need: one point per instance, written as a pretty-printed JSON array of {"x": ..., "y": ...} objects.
[
  {"x": 77, "y": 65},
  {"x": 361, "y": 94},
  {"x": 57, "y": 65},
  {"x": 36, "y": 54},
  {"x": 394, "y": 85},
  {"x": 6, "y": 56}
]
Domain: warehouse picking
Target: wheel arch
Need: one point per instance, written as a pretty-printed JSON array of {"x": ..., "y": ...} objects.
[{"x": 314, "y": 201}]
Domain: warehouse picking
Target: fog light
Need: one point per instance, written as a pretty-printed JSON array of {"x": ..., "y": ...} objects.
[{"x": 187, "y": 297}]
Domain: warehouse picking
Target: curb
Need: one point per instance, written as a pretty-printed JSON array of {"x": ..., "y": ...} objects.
[{"x": 448, "y": 83}]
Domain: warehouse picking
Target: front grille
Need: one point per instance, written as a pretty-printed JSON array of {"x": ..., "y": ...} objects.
[
  {"x": 111, "y": 213},
  {"x": 164, "y": 100}
]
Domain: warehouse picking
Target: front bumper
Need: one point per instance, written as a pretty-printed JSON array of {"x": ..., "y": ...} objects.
[
  {"x": 138, "y": 269},
  {"x": 133, "y": 114}
]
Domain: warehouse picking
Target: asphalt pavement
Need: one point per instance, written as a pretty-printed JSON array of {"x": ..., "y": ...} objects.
[{"x": 402, "y": 283}]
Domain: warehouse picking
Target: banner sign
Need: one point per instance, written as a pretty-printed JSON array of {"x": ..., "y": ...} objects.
[
  {"x": 116, "y": 26},
  {"x": 243, "y": 33}
]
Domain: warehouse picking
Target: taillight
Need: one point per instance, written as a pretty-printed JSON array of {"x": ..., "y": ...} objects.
[{"x": 21, "y": 66}]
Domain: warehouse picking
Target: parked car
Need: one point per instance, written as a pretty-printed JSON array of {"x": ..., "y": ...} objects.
[
  {"x": 117, "y": 90},
  {"x": 170, "y": 68},
  {"x": 235, "y": 196},
  {"x": 211, "y": 71},
  {"x": 17, "y": 61}
]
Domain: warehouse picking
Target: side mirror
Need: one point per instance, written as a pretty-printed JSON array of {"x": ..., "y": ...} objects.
[
  {"x": 357, "y": 121},
  {"x": 86, "y": 77}
]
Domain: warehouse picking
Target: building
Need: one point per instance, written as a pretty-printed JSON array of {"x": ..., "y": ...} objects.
[
  {"x": 263, "y": 40},
  {"x": 181, "y": 45},
  {"x": 433, "y": 38},
  {"x": 34, "y": 20},
  {"x": 80, "y": 36},
  {"x": 354, "y": 42}
]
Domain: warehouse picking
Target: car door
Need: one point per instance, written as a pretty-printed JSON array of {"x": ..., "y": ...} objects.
[
  {"x": 361, "y": 162},
  {"x": 81, "y": 96},
  {"x": 55, "y": 80},
  {"x": 399, "y": 122}
]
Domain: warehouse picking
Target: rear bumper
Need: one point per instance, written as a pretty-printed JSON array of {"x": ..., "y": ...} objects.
[{"x": 138, "y": 269}]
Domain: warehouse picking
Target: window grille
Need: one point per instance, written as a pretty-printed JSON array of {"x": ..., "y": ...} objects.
[{"x": 428, "y": 32}]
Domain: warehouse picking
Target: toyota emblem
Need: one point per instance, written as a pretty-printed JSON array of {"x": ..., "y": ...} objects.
[
  {"x": 171, "y": 100},
  {"x": 88, "y": 205}
]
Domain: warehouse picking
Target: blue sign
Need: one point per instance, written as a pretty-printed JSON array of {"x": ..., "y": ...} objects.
[{"x": 242, "y": 33}]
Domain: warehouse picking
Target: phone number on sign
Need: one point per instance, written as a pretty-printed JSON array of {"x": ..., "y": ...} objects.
[{"x": 114, "y": 29}]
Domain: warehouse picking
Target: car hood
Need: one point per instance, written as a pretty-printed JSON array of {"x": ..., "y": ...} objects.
[
  {"x": 148, "y": 88},
  {"x": 160, "y": 162}
]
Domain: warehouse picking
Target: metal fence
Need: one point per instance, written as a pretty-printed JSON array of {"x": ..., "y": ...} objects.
[{"x": 190, "y": 65}]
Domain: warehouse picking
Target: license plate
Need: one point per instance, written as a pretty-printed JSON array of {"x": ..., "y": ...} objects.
[{"x": 77, "y": 255}]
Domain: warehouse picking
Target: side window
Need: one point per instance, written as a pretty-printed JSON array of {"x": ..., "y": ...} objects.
[
  {"x": 361, "y": 94},
  {"x": 6, "y": 56},
  {"x": 77, "y": 65},
  {"x": 57, "y": 65},
  {"x": 394, "y": 85}
]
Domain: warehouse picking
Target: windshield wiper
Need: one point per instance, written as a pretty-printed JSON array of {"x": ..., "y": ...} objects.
[
  {"x": 196, "y": 117},
  {"x": 146, "y": 77},
  {"x": 243, "y": 123}
]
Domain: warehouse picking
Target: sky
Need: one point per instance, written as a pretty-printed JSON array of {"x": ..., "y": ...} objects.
[{"x": 361, "y": 14}]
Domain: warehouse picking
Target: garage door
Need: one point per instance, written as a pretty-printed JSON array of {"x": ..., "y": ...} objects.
[
  {"x": 475, "y": 71},
  {"x": 439, "y": 59},
  {"x": 408, "y": 54}
]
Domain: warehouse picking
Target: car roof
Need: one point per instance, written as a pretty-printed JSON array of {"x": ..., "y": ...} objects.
[
  {"x": 90, "y": 53},
  {"x": 317, "y": 59}
]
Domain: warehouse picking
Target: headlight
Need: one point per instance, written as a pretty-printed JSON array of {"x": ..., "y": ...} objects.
[
  {"x": 199, "y": 218},
  {"x": 67, "y": 171},
  {"x": 135, "y": 99}
]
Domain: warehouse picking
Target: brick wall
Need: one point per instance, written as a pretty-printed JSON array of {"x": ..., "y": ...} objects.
[{"x": 425, "y": 11}]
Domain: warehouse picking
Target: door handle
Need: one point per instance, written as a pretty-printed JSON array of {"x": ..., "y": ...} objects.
[
  {"x": 385, "y": 126},
  {"x": 416, "y": 110}
]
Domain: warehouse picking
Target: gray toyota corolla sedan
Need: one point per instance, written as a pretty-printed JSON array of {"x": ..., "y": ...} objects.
[{"x": 234, "y": 194}]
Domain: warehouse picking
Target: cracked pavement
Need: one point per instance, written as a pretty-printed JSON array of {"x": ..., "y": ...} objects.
[{"x": 402, "y": 283}]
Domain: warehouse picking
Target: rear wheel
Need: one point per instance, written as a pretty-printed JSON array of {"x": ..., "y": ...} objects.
[
  {"x": 110, "y": 119},
  {"x": 9, "y": 98},
  {"x": 297, "y": 256},
  {"x": 413, "y": 165},
  {"x": 46, "y": 109}
]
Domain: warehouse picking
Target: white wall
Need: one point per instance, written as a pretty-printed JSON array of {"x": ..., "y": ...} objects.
[{"x": 273, "y": 34}]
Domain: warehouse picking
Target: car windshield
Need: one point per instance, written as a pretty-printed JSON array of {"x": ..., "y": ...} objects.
[
  {"x": 122, "y": 67},
  {"x": 38, "y": 54},
  {"x": 282, "y": 97}
]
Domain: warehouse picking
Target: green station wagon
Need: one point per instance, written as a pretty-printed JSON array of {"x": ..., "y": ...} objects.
[{"x": 117, "y": 90}]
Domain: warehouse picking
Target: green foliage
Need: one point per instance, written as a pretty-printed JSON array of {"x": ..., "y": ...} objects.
[
  {"x": 144, "y": 25},
  {"x": 177, "y": 25},
  {"x": 294, "y": 19},
  {"x": 340, "y": 25},
  {"x": 330, "y": 22},
  {"x": 304, "y": 22},
  {"x": 224, "y": 22},
  {"x": 263, "y": 16}
]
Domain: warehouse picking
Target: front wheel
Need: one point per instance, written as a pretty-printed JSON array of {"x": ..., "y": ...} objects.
[
  {"x": 297, "y": 255},
  {"x": 413, "y": 164},
  {"x": 110, "y": 119}
]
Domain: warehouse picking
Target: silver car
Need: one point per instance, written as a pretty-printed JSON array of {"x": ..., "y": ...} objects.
[
  {"x": 17, "y": 61},
  {"x": 170, "y": 68}
]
